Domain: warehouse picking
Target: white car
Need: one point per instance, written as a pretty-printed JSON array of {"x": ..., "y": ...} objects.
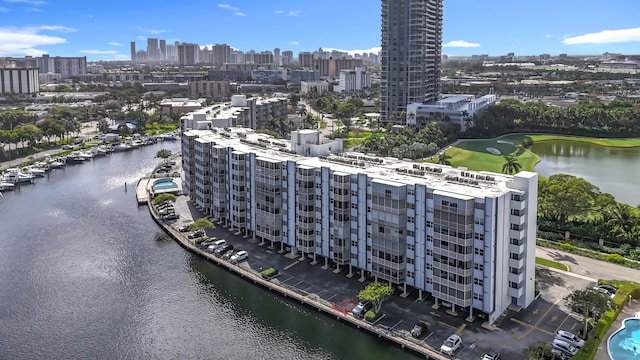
[
  {"x": 239, "y": 256},
  {"x": 570, "y": 338},
  {"x": 451, "y": 345}
]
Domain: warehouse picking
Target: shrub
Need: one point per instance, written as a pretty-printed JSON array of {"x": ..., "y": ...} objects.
[
  {"x": 615, "y": 258},
  {"x": 372, "y": 316},
  {"x": 269, "y": 273}
]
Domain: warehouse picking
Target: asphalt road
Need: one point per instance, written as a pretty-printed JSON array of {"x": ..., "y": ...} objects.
[{"x": 588, "y": 267}]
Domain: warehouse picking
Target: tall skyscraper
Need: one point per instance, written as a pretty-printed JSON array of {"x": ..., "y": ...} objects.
[
  {"x": 411, "y": 54},
  {"x": 133, "y": 51},
  {"x": 152, "y": 49},
  {"x": 163, "y": 49}
]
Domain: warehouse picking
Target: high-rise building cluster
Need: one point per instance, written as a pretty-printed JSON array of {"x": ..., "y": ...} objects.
[{"x": 190, "y": 54}]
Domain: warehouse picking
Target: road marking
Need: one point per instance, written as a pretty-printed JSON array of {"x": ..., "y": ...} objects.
[
  {"x": 447, "y": 325},
  {"x": 291, "y": 265},
  {"x": 459, "y": 331}
]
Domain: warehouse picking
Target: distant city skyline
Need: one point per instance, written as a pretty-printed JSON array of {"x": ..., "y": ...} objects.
[{"x": 524, "y": 27}]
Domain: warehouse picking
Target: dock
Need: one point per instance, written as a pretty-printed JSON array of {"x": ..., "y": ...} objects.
[{"x": 142, "y": 194}]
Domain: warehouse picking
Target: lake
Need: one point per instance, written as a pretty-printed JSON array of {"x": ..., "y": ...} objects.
[{"x": 614, "y": 170}]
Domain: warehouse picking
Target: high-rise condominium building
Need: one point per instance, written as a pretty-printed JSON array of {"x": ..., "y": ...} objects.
[
  {"x": 411, "y": 54},
  {"x": 467, "y": 238},
  {"x": 153, "y": 51},
  {"x": 133, "y": 51}
]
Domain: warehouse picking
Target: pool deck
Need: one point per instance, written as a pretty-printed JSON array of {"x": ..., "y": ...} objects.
[{"x": 631, "y": 311}]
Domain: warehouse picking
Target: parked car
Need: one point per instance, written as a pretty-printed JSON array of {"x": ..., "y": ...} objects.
[
  {"x": 451, "y": 345},
  {"x": 564, "y": 347},
  {"x": 185, "y": 227},
  {"x": 418, "y": 330},
  {"x": 362, "y": 308},
  {"x": 239, "y": 256},
  {"x": 560, "y": 355},
  {"x": 168, "y": 217},
  {"x": 196, "y": 234},
  {"x": 490, "y": 356},
  {"x": 229, "y": 254},
  {"x": 219, "y": 243},
  {"x": 606, "y": 289},
  {"x": 223, "y": 249},
  {"x": 570, "y": 338},
  {"x": 169, "y": 210}
]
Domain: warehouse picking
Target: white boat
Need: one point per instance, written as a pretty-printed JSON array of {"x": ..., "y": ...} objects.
[
  {"x": 37, "y": 172},
  {"x": 87, "y": 155},
  {"x": 75, "y": 158},
  {"x": 15, "y": 176},
  {"x": 55, "y": 163},
  {"x": 122, "y": 147},
  {"x": 5, "y": 186},
  {"x": 100, "y": 151}
]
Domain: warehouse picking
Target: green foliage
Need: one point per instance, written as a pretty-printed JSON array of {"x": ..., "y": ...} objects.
[
  {"x": 269, "y": 273},
  {"x": 163, "y": 153},
  {"x": 564, "y": 196},
  {"x": 376, "y": 292},
  {"x": 201, "y": 223},
  {"x": 551, "y": 263},
  {"x": 615, "y": 258},
  {"x": 372, "y": 315},
  {"x": 588, "y": 303},
  {"x": 163, "y": 197}
]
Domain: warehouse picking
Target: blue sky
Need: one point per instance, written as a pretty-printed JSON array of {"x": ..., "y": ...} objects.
[{"x": 103, "y": 30}]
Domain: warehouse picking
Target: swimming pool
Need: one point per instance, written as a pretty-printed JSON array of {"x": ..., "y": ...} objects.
[
  {"x": 625, "y": 343},
  {"x": 164, "y": 184}
]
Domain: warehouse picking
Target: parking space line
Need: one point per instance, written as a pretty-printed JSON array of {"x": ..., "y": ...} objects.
[
  {"x": 292, "y": 265},
  {"x": 563, "y": 321},
  {"x": 447, "y": 325},
  {"x": 459, "y": 331}
]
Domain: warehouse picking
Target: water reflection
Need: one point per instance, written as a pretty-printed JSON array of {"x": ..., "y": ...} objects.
[{"x": 613, "y": 170}]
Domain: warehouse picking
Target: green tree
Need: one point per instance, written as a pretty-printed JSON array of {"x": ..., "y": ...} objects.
[
  {"x": 511, "y": 164},
  {"x": 201, "y": 223},
  {"x": 163, "y": 154},
  {"x": 588, "y": 303},
  {"x": 563, "y": 196},
  {"x": 103, "y": 125},
  {"x": 124, "y": 130},
  {"x": 164, "y": 197},
  {"x": 377, "y": 293},
  {"x": 444, "y": 159}
]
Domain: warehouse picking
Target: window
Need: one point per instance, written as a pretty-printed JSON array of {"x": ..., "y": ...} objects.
[
  {"x": 478, "y": 267},
  {"x": 515, "y": 241},
  {"x": 410, "y": 260},
  {"x": 517, "y": 212},
  {"x": 477, "y": 297},
  {"x": 479, "y": 206},
  {"x": 478, "y": 236},
  {"x": 411, "y": 247},
  {"x": 514, "y": 285},
  {"x": 517, "y": 197},
  {"x": 478, "y": 281},
  {"x": 479, "y": 221},
  {"x": 478, "y": 251}
]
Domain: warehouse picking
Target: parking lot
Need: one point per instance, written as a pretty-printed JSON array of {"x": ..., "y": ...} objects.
[{"x": 511, "y": 334}]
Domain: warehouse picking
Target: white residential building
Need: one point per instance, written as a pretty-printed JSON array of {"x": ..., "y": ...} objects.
[
  {"x": 15, "y": 80},
  {"x": 240, "y": 112},
  {"x": 356, "y": 79},
  {"x": 457, "y": 109},
  {"x": 466, "y": 238}
]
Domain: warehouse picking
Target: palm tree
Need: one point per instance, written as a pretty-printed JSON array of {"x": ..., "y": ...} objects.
[
  {"x": 411, "y": 116},
  {"x": 511, "y": 165},
  {"x": 443, "y": 159}
]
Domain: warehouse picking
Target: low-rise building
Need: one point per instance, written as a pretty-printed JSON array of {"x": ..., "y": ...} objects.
[
  {"x": 466, "y": 238},
  {"x": 456, "y": 109},
  {"x": 181, "y": 105}
]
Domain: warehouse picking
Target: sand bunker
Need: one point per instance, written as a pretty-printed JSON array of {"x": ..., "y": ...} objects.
[
  {"x": 494, "y": 151},
  {"x": 504, "y": 142}
]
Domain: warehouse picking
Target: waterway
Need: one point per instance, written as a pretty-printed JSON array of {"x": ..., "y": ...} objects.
[
  {"x": 86, "y": 274},
  {"x": 613, "y": 170}
]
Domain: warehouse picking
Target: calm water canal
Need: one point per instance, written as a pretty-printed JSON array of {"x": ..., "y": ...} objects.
[
  {"x": 86, "y": 274},
  {"x": 613, "y": 170}
]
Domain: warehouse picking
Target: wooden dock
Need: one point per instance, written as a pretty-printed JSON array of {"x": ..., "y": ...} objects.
[{"x": 142, "y": 194}]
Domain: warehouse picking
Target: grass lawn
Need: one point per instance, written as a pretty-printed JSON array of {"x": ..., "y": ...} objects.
[
  {"x": 633, "y": 142},
  {"x": 473, "y": 154},
  {"x": 551, "y": 263}
]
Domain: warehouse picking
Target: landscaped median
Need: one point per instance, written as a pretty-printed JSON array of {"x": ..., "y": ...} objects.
[{"x": 551, "y": 264}]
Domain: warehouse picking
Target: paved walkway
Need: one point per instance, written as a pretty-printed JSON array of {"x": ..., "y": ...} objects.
[{"x": 631, "y": 311}]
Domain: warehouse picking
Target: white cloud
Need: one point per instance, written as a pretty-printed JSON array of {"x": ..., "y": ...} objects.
[
  {"x": 228, "y": 7},
  {"x": 141, "y": 37},
  {"x": 236, "y": 11},
  {"x": 63, "y": 29},
  {"x": 30, "y": 2},
  {"x": 460, "y": 43},
  {"x": 99, "y": 51},
  {"x": 605, "y": 37},
  {"x": 293, "y": 13},
  {"x": 3, "y": 9},
  {"x": 150, "y": 31},
  {"x": 279, "y": 12},
  {"x": 114, "y": 43},
  {"x": 24, "y": 41},
  {"x": 294, "y": 43},
  {"x": 548, "y": 36}
]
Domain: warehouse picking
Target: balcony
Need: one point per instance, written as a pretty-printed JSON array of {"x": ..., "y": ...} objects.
[
  {"x": 518, "y": 220},
  {"x": 516, "y": 278},
  {"x": 518, "y": 205},
  {"x": 517, "y": 249},
  {"x": 517, "y": 264}
]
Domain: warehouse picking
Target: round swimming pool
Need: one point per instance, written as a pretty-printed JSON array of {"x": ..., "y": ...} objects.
[
  {"x": 164, "y": 184},
  {"x": 625, "y": 343}
]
